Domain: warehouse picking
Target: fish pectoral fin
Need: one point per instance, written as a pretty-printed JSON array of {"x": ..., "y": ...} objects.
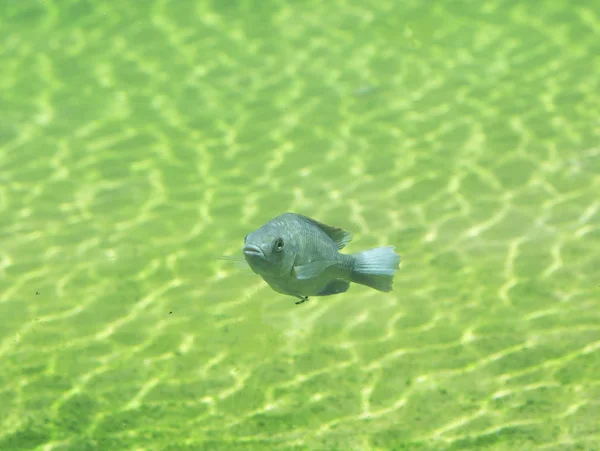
[
  {"x": 313, "y": 269},
  {"x": 334, "y": 287}
]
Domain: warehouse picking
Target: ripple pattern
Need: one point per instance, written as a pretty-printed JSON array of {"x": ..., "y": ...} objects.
[{"x": 141, "y": 140}]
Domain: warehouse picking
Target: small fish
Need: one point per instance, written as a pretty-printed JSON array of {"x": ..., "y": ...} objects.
[{"x": 300, "y": 257}]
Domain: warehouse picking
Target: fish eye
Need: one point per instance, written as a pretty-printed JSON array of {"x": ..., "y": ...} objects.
[{"x": 279, "y": 244}]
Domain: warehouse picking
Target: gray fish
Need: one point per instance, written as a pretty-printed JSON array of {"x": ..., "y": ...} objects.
[{"x": 300, "y": 257}]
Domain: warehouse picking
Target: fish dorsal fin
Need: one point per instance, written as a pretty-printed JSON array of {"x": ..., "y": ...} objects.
[{"x": 339, "y": 236}]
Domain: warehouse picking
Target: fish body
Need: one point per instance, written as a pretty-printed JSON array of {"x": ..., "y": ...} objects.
[{"x": 299, "y": 256}]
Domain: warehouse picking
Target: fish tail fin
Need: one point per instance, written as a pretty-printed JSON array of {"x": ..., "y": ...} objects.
[{"x": 375, "y": 268}]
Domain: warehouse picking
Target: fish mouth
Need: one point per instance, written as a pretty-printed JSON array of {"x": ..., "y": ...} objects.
[{"x": 251, "y": 250}]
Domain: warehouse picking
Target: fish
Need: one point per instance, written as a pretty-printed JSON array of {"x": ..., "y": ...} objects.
[{"x": 300, "y": 257}]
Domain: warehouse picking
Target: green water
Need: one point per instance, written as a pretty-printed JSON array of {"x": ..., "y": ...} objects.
[{"x": 141, "y": 140}]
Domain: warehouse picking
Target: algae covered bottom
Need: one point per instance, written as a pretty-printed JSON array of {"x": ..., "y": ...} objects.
[{"x": 139, "y": 141}]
